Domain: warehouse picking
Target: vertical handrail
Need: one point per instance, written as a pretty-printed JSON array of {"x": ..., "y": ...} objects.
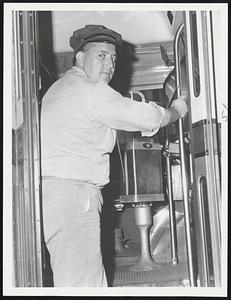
[
  {"x": 134, "y": 162},
  {"x": 133, "y": 146},
  {"x": 172, "y": 220},
  {"x": 185, "y": 188}
]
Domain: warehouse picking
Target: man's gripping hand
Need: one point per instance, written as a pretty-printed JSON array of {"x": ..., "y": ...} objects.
[{"x": 181, "y": 104}]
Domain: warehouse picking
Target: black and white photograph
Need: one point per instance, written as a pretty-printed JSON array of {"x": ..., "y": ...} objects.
[{"x": 115, "y": 155}]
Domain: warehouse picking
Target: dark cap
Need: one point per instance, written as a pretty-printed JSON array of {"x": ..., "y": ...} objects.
[{"x": 94, "y": 33}]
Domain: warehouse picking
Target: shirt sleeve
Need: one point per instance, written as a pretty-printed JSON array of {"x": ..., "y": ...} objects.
[{"x": 108, "y": 107}]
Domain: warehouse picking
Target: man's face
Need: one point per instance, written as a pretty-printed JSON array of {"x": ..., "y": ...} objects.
[{"x": 99, "y": 61}]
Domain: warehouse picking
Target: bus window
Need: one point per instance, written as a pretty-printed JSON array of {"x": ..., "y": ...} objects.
[{"x": 195, "y": 63}]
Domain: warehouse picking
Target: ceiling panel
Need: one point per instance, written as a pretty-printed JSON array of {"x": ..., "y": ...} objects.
[{"x": 136, "y": 27}]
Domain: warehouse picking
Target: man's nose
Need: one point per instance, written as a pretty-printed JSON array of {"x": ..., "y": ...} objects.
[{"x": 110, "y": 63}]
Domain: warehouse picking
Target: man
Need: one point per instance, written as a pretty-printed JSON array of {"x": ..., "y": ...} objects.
[{"x": 79, "y": 118}]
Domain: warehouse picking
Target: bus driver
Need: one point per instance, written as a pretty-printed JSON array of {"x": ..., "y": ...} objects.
[{"x": 79, "y": 118}]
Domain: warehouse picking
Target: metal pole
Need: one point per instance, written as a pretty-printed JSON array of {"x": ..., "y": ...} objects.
[
  {"x": 185, "y": 189},
  {"x": 171, "y": 212}
]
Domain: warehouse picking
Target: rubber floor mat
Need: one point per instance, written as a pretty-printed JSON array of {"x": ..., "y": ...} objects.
[{"x": 165, "y": 274}]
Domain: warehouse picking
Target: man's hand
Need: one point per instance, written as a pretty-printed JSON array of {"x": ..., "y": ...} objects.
[
  {"x": 177, "y": 109},
  {"x": 181, "y": 104}
]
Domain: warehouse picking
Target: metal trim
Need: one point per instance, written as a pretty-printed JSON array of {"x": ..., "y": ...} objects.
[
  {"x": 27, "y": 238},
  {"x": 140, "y": 198}
]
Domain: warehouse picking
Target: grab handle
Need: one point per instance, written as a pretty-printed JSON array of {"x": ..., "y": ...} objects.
[{"x": 185, "y": 188}]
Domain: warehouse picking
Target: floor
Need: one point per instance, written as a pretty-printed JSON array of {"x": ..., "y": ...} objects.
[
  {"x": 165, "y": 275},
  {"x": 120, "y": 274}
]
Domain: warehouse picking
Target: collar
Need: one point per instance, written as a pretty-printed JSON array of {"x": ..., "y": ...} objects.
[{"x": 78, "y": 71}]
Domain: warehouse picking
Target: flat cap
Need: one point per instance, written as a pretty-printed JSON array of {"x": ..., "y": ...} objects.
[{"x": 94, "y": 33}]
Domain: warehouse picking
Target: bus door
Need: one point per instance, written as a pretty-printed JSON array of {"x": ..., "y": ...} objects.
[
  {"x": 27, "y": 255},
  {"x": 205, "y": 144}
]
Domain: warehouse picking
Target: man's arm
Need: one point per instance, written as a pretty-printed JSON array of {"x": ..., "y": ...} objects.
[{"x": 108, "y": 107}]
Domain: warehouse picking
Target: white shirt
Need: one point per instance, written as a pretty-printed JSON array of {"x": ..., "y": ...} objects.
[{"x": 79, "y": 119}]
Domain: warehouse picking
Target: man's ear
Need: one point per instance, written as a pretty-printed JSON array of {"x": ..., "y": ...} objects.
[{"x": 80, "y": 58}]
